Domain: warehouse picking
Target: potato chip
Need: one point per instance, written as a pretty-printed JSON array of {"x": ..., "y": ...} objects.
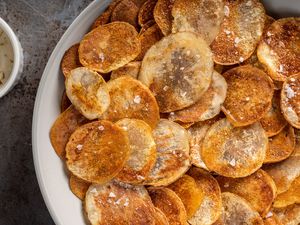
[
  {"x": 289, "y": 215},
  {"x": 109, "y": 47},
  {"x": 279, "y": 48},
  {"x": 70, "y": 60},
  {"x": 249, "y": 95},
  {"x": 163, "y": 15},
  {"x": 63, "y": 127},
  {"x": 88, "y": 92},
  {"x": 281, "y": 146},
  {"x": 240, "y": 32},
  {"x": 178, "y": 70},
  {"x": 146, "y": 12},
  {"x": 143, "y": 151},
  {"x": 208, "y": 106},
  {"x": 65, "y": 102},
  {"x": 170, "y": 204},
  {"x": 258, "y": 189},
  {"x": 203, "y": 17},
  {"x": 172, "y": 144},
  {"x": 131, "y": 99},
  {"x": 234, "y": 151},
  {"x": 160, "y": 217},
  {"x": 78, "y": 186},
  {"x": 131, "y": 69},
  {"x": 97, "y": 151}
]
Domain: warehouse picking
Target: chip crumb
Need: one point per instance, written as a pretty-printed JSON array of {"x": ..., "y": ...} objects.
[
  {"x": 112, "y": 195},
  {"x": 227, "y": 32},
  {"x": 79, "y": 147},
  {"x": 101, "y": 128},
  {"x": 137, "y": 99},
  {"x": 172, "y": 113},
  {"x": 280, "y": 68},
  {"x": 139, "y": 177},
  {"x": 109, "y": 201},
  {"x": 237, "y": 40}
]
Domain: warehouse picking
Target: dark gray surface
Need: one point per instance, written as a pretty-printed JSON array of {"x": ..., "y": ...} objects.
[{"x": 39, "y": 25}]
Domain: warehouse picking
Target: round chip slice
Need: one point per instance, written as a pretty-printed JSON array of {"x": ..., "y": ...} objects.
[
  {"x": 203, "y": 17},
  {"x": 131, "y": 69},
  {"x": 279, "y": 48},
  {"x": 131, "y": 99},
  {"x": 234, "y": 151},
  {"x": 249, "y": 95},
  {"x": 97, "y": 152},
  {"x": 258, "y": 189},
  {"x": 143, "y": 151},
  {"x": 88, "y": 92},
  {"x": 146, "y": 12},
  {"x": 163, "y": 15},
  {"x": 78, "y": 186},
  {"x": 109, "y": 47},
  {"x": 289, "y": 215},
  {"x": 70, "y": 60},
  {"x": 172, "y": 144},
  {"x": 65, "y": 102},
  {"x": 178, "y": 70},
  {"x": 240, "y": 32},
  {"x": 208, "y": 106}
]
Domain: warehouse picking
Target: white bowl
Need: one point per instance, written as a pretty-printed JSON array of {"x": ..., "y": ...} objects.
[
  {"x": 18, "y": 59},
  {"x": 63, "y": 206}
]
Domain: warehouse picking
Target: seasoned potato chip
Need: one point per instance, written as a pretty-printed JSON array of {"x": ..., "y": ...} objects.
[
  {"x": 160, "y": 217},
  {"x": 170, "y": 204},
  {"x": 178, "y": 70},
  {"x": 131, "y": 99},
  {"x": 65, "y": 102},
  {"x": 109, "y": 47},
  {"x": 131, "y": 69},
  {"x": 78, "y": 186},
  {"x": 70, "y": 60},
  {"x": 290, "y": 100},
  {"x": 279, "y": 48},
  {"x": 208, "y": 106},
  {"x": 143, "y": 151},
  {"x": 240, "y": 32},
  {"x": 258, "y": 189},
  {"x": 88, "y": 92},
  {"x": 63, "y": 127},
  {"x": 203, "y": 17},
  {"x": 289, "y": 215},
  {"x": 281, "y": 146},
  {"x": 163, "y": 15},
  {"x": 234, "y": 151},
  {"x": 126, "y": 11},
  {"x": 97, "y": 151},
  {"x": 119, "y": 204},
  {"x": 249, "y": 95},
  {"x": 172, "y": 144},
  {"x": 146, "y": 12}
]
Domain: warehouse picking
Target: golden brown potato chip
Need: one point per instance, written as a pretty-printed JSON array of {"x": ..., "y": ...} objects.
[
  {"x": 109, "y": 47},
  {"x": 131, "y": 99},
  {"x": 178, "y": 70},
  {"x": 143, "y": 151},
  {"x": 249, "y": 95},
  {"x": 131, "y": 69},
  {"x": 258, "y": 189},
  {"x": 170, "y": 204},
  {"x": 279, "y": 48},
  {"x": 273, "y": 122},
  {"x": 203, "y": 17},
  {"x": 97, "y": 151},
  {"x": 240, "y": 32},
  {"x": 65, "y": 102},
  {"x": 163, "y": 15},
  {"x": 234, "y": 151},
  {"x": 88, "y": 92},
  {"x": 289, "y": 215},
  {"x": 160, "y": 217},
  {"x": 146, "y": 12},
  {"x": 281, "y": 146},
  {"x": 78, "y": 186},
  {"x": 208, "y": 106},
  {"x": 290, "y": 100},
  {"x": 172, "y": 146},
  {"x": 70, "y": 60},
  {"x": 63, "y": 127}
]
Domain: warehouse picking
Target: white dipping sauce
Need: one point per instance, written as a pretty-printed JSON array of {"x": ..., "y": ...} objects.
[{"x": 6, "y": 57}]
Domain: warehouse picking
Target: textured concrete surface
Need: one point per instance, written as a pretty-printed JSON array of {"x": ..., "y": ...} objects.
[{"x": 39, "y": 25}]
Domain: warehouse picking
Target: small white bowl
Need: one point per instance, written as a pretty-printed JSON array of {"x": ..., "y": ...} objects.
[{"x": 18, "y": 59}]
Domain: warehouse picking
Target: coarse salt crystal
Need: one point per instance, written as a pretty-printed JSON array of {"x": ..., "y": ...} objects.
[
  {"x": 166, "y": 88},
  {"x": 181, "y": 68},
  {"x": 79, "y": 147},
  {"x": 172, "y": 113},
  {"x": 241, "y": 59},
  {"x": 227, "y": 32},
  {"x": 289, "y": 92},
  {"x": 112, "y": 195},
  {"x": 280, "y": 68},
  {"x": 101, "y": 128},
  {"x": 226, "y": 10},
  {"x": 237, "y": 40},
  {"x": 226, "y": 185},
  {"x": 232, "y": 162},
  {"x": 171, "y": 77},
  {"x": 247, "y": 98},
  {"x": 183, "y": 94},
  {"x": 139, "y": 177},
  {"x": 269, "y": 34},
  {"x": 101, "y": 57},
  {"x": 93, "y": 191},
  {"x": 293, "y": 79},
  {"x": 137, "y": 99},
  {"x": 126, "y": 202},
  {"x": 109, "y": 201},
  {"x": 269, "y": 214}
]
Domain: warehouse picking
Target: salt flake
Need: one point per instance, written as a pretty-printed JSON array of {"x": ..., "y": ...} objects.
[{"x": 137, "y": 99}]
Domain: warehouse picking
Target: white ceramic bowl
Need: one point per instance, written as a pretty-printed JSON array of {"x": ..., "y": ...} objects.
[
  {"x": 63, "y": 206},
  {"x": 18, "y": 59}
]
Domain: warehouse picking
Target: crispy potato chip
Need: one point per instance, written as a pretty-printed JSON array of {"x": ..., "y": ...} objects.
[
  {"x": 208, "y": 106},
  {"x": 178, "y": 70},
  {"x": 143, "y": 151},
  {"x": 211, "y": 207},
  {"x": 240, "y": 32},
  {"x": 249, "y": 95},
  {"x": 131, "y": 99},
  {"x": 131, "y": 69},
  {"x": 97, "y": 151},
  {"x": 63, "y": 127},
  {"x": 78, "y": 186},
  {"x": 279, "y": 48},
  {"x": 203, "y": 17},
  {"x": 160, "y": 217},
  {"x": 65, "y": 102},
  {"x": 172, "y": 144},
  {"x": 88, "y": 92},
  {"x": 119, "y": 204},
  {"x": 163, "y": 15},
  {"x": 234, "y": 151},
  {"x": 290, "y": 100},
  {"x": 109, "y": 47},
  {"x": 289, "y": 215},
  {"x": 281, "y": 146},
  {"x": 258, "y": 189},
  {"x": 170, "y": 204},
  {"x": 70, "y": 60},
  {"x": 146, "y": 12}
]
